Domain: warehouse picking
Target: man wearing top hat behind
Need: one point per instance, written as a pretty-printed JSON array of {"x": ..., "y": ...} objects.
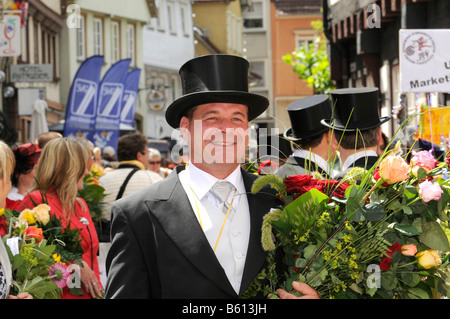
[
  {"x": 310, "y": 140},
  {"x": 357, "y": 127},
  {"x": 176, "y": 238}
]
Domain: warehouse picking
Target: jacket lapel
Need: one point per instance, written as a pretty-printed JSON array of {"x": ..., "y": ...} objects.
[
  {"x": 186, "y": 232},
  {"x": 258, "y": 207}
]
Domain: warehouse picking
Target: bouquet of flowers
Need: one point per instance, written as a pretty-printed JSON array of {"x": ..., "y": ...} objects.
[
  {"x": 374, "y": 234},
  {"x": 92, "y": 193},
  {"x": 41, "y": 251}
]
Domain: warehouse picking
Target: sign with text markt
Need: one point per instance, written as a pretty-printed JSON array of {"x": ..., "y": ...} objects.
[{"x": 425, "y": 60}]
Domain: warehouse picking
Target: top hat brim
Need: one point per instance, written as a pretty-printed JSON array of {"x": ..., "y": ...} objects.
[
  {"x": 290, "y": 137},
  {"x": 338, "y": 126},
  {"x": 256, "y": 104}
]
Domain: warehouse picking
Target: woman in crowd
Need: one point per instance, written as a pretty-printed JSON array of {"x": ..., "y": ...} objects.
[
  {"x": 27, "y": 156},
  {"x": 7, "y": 162},
  {"x": 59, "y": 175}
]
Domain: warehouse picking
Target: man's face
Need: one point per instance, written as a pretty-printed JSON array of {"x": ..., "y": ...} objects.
[{"x": 217, "y": 133}]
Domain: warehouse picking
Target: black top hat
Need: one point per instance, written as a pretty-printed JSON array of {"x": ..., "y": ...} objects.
[
  {"x": 355, "y": 108},
  {"x": 215, "y": 79},
  {"x": 306, "y": 114}
]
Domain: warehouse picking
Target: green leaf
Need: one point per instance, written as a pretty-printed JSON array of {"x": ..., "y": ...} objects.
[
  {"x": 406, "y": 230},
  {"x": 417, "y": 293},
  {"x": 434, "y": 236},
  {"x": 374, "y": 212}
]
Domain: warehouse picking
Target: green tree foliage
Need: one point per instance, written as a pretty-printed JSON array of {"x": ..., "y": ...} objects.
[{"x": 311, "y": 62}]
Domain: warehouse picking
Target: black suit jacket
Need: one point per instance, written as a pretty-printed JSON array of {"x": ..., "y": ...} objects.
[
  {"x": 160, "y": 251},
  {"x": 365, "y": 162}
]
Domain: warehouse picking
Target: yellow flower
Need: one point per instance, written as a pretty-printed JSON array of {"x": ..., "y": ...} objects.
[
  {"x": 41, "y": 213},
  {"x": 428, "y": 258},
  {"x": 394, "y": 169},
  {"x": 56, "y": 257},
  {"x": 27, "y": 215},
  {"x": 2, "y": 211}
]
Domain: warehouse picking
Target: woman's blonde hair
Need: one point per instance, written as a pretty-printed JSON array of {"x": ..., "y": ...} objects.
[
  {"x": 7, "y": 161},
  {"x": 60, "y": 167}
]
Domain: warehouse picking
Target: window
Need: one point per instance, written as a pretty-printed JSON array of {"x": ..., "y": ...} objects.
[
  {"x": 98, "y": 36},
  {"x": 160, "y": 21},
  {"x": 257, "y": 74},
  {"x": 115, "y": 41},
  {"x": 254, "y": 16},
  {"x": 171, "y": 17},
  {"x": 184, "y": 19},
  {"x": 131, "y": 44},
  {"x": 81, "y": 40}
]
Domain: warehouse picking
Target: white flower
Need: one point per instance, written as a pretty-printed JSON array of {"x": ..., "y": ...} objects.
[{"x": 84, "y": 221}]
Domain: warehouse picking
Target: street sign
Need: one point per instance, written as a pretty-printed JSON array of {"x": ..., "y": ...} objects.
[{"x": 31, "y": 73}]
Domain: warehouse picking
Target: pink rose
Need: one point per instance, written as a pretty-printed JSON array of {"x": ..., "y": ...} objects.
[
  {"x": 423, "y": 158},
  {"x": 430, "y": 191}
]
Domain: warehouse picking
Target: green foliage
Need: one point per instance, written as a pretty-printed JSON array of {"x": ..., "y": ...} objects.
[{"x": 311, "y": 63}]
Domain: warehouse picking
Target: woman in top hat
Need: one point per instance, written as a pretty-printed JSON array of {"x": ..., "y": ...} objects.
[
  {"x": 170, "y": 233},
  {"x": 309, "y": 139},
  {"x": 357, "y": 127}
]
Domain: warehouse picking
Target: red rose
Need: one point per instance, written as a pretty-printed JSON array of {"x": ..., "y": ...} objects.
[
  {"x": 266, "y": 167},
  {"x": 295, "y": 183},
  {"x": 376, "y": 176},
  {"x": 3, "y": 226},
  {"x": 386, "y": 261},
  {"x": 34, "y": 232}
]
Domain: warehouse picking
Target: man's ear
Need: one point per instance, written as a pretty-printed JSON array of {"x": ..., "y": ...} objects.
[
  {"x": 184, "y": 128},
  {"x": 334, "y": 141}
]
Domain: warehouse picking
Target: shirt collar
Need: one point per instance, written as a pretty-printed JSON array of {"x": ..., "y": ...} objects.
[
  {"x": 202, "y": 181},
  {"x": 317, "y": 159},
  {"x": 356, "y": 156}
]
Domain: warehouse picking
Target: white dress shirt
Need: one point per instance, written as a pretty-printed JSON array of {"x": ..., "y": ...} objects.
[{"x": 232, "y": 243}]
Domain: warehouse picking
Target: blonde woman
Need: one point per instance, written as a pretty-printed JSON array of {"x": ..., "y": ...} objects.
[
  {"x": 59, "y": 175},
  {"x": 7, "y": 163}
]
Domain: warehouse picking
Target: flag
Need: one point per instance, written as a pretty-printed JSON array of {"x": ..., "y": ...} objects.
[
  {"x": 82, "y": 103},
  {"x": 109, "y": 105},
  {"x": 129, "y": 99}
]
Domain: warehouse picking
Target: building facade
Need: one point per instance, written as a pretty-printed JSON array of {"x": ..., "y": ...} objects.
[
  {"x": 34, "y": 74},
  {"x": 364, "y": 49},
  {"x": 107, "y": 28},
  {"x": 168, "y": 42}
]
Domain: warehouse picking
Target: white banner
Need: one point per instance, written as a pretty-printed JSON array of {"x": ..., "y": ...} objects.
[{"x": 425, "y": 60}]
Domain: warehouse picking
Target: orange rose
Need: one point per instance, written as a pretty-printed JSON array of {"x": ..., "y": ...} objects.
[
  {"x": 394, "y": 169},
  {"x": 409, "y": 250},
  {"x": 34, "y": 232}
]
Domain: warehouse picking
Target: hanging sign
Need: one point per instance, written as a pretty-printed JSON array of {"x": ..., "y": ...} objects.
[
  {"x": 10, "y": 36},
  {"x": 425, "y": 60}
]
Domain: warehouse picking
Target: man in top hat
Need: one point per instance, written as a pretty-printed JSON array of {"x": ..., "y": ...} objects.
[
  {"x": 310, "y": 140},
  {"x": 196, "y": 234},
  {"x": 357, "y": 127}
]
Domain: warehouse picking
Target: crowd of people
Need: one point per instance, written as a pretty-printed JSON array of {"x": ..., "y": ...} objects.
[{"x": 164, "y": 230}]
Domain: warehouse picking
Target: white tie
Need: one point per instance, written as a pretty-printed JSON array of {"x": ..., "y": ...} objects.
[{"x": 222, "y": 190}]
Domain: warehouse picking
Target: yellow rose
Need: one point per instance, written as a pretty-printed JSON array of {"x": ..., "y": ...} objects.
[
  {"x": 27, "y": 215},
  {"x": 428, "y": 258},
  {"x": 394, "y": 169},
  {"x": 2, "y": 211},
  {"x": 41, "y": 212}
]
